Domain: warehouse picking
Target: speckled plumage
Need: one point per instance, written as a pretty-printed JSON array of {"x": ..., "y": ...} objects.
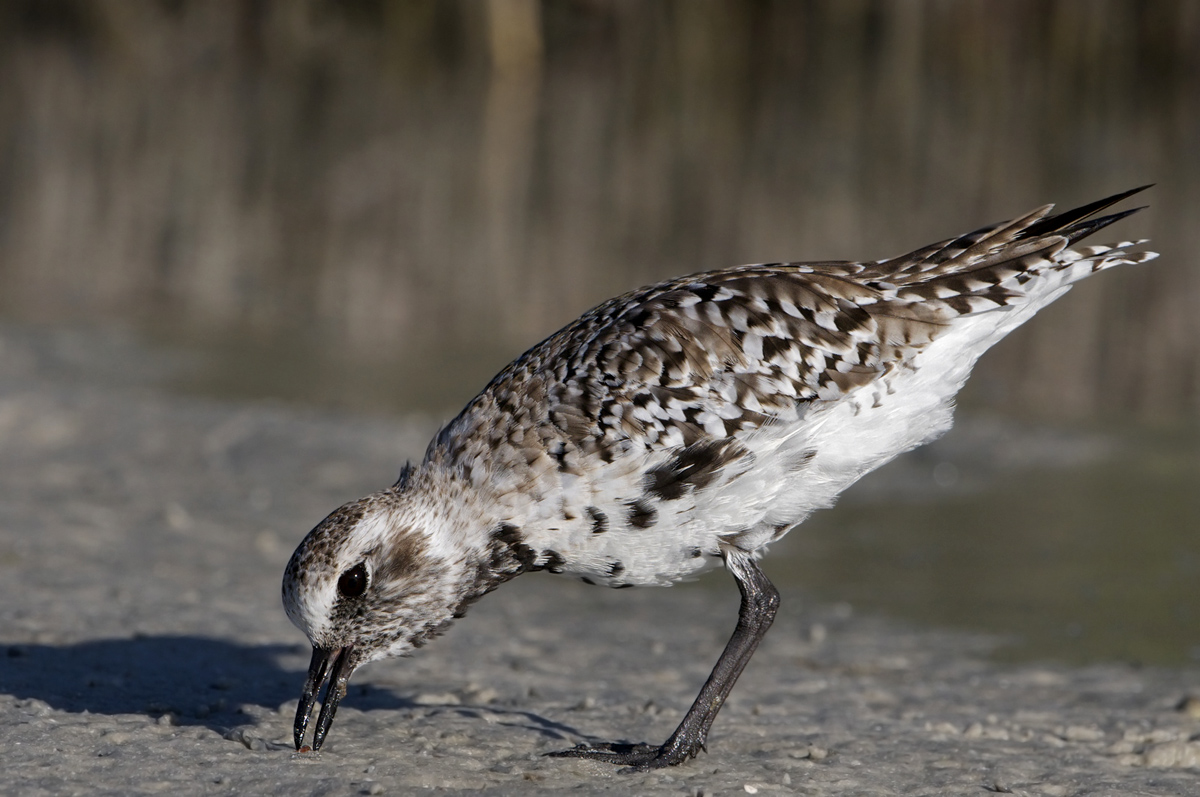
[{"x": 677, "y": 426}]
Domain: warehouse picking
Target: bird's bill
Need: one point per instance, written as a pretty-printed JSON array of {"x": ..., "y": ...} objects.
[{"x": 328, "y": 665}]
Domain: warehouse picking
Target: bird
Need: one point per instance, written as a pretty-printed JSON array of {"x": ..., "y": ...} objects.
[{"x": 676, "y": 428}]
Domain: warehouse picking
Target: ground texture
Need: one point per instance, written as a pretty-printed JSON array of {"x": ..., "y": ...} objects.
[{"x": 143, "y": 648}]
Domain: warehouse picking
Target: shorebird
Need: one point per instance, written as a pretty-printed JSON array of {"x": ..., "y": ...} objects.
[{"x": 680, "y": 426}]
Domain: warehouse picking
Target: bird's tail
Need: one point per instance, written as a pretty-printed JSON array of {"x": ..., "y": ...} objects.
[{"x": 1010, "y": 262}]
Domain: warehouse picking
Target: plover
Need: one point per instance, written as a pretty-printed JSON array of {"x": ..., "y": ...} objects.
[{"x": 687, "y": 424}]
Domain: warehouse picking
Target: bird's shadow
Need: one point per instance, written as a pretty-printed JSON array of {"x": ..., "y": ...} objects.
[{"x": 198, "y": 680}]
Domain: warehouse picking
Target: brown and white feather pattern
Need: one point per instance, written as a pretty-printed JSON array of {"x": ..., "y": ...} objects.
[
  {"x": 722, "y": 408},
  {"x": 711, "y": 411}
]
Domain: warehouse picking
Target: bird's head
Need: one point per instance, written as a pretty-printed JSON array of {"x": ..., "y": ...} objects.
[{"x": 366, "y": 583}]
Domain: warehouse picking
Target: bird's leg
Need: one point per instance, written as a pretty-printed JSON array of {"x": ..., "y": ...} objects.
[{"x": 760, "y": 600}]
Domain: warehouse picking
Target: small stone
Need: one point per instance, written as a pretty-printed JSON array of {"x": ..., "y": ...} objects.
[
  {"x": 1122, "y": 747},
  {"x": 34, "y": 706},
  {"x": 481, "y": 695},
  {"x": 942, "y": 728},
  {"x": 1174, "y": 755},
  {"x": 437, "y": 699},
  {"x": 177, "y": 517},
  {"x": 1080, "y": 733},
  {"x": 248, "y": 740}
]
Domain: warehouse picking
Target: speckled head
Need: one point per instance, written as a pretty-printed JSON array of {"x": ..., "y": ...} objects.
[{"x": 364, "y": 584}]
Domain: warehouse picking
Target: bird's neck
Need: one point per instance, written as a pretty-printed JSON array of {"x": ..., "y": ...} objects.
[{"x": 470, "y": 533}]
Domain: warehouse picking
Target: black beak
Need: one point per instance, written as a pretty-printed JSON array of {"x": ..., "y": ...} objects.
[{"x": 328, "y": 665}]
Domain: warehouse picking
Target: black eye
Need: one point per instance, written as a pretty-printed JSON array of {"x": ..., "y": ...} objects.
[{"x": 353, "y": 583}]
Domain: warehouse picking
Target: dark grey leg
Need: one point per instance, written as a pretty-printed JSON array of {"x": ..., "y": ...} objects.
[{"x": 760, "y": 600}]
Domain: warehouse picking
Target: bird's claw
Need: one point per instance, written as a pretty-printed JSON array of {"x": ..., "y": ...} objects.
[{"x": 639, "y": 757}]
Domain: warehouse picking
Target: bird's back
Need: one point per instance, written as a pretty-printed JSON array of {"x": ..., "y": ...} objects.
[{"x": 722, "y": 408}]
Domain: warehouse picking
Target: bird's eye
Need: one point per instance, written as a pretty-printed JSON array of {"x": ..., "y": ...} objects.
[{"x": 353, "y": 583}]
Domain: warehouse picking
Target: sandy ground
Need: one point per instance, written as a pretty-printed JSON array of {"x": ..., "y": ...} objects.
[{"x": 143, "y": 648}]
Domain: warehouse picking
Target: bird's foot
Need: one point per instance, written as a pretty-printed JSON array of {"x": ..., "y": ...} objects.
[{"x": 639, "y": 757}]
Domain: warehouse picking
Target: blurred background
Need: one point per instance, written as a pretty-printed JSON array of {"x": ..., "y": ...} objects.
[{"x": 371, "y": 206}]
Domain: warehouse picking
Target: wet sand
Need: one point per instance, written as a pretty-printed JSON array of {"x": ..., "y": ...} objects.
[{"x": 143, "y": 647}]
